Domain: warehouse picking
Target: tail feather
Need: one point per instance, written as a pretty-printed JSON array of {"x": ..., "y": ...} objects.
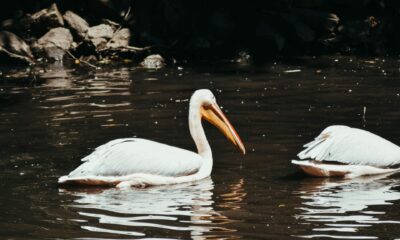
[
  {"x": 317, "y": 149},
  {"x": 309, "y": 147}
]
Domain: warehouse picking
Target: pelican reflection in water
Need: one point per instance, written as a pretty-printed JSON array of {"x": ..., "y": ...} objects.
[
  {"x": 342, "y": 208},
  {"x": 164, "y": 211}
]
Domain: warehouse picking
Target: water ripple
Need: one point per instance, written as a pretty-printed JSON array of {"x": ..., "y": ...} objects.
[
  {"x": 180, "y": 208},
  {"x": 345, "y": 207}
]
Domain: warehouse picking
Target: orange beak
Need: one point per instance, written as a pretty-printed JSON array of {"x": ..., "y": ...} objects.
[{"x": 215, "y": 116}]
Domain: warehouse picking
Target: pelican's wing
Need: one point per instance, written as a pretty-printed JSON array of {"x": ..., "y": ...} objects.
[
  {"x": 134, "y": 155},
  {"x": 352, "y": 146}
]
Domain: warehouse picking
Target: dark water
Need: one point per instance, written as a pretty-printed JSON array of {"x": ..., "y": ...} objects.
[{"x": 51, "y": 119}]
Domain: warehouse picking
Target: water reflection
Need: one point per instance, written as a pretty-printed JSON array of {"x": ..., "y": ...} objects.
[
  {"x": 342, "y": 208},
  {"x": 95, "y": 96},
  {"x": 56, "y": 76},
  {"x": 164, "y": 210},
  {"x": 234, "y": 198}
]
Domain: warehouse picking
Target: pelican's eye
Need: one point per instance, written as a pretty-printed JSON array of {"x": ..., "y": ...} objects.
[
  {"x": 207, "y": 102},
  {"x": 207, "y": 105}
]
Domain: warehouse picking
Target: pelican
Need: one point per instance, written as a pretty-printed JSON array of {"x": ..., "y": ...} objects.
[
  {"x": 348, "y": 152},
  {"x": 139, "y": 162}
]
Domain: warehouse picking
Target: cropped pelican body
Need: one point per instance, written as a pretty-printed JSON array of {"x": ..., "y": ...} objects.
[
  {"x": 343, "y": 151},
  {"x": 140, "y": 162}
]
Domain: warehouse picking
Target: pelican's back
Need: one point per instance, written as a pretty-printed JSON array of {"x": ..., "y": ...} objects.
[
  {"x": 127, "y": 156},
  {"x": 352, "y": 146}
]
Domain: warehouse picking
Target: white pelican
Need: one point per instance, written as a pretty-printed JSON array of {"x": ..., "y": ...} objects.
[
  {"x": 348, "y": 152},
  {"x": 139, "y": 162}
]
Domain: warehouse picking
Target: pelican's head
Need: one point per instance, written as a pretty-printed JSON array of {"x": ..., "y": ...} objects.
[{"x": 211, "y": 112}]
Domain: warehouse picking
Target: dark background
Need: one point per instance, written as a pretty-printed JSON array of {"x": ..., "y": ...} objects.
[{"x": 228, "y": 28}]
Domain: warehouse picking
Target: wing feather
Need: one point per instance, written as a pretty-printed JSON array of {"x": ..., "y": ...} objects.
[
  {"x": 351, "y": 146},
  {"x": 134, "y": 155}
]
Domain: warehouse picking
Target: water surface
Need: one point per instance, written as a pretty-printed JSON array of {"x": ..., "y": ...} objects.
[{"x": 52, "y": 116}]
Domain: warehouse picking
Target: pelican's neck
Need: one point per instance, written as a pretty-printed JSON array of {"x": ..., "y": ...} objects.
[{"x": 197, "y": 131}]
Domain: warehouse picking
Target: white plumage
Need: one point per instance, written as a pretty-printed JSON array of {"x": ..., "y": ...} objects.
[
  {"x": 143, "y": 157},
  {"x": 141, "y": 162},
  {"x": 348, "y": 152}
]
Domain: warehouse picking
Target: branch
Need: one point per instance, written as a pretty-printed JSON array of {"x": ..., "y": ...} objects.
[
  {"x": 17, "y": 56},
  {"x": 85, "y": 62}
]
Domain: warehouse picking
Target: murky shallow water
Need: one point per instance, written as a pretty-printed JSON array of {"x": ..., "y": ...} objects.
[{"x": 48, "y": 122}]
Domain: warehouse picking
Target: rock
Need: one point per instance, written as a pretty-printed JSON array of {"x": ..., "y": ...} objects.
[
  {"x": 363, "y": 36},
  {"x": 59, "y": 37},
  {"x": 44, "y": 20},
  {"x": 99, "y": 43},
  {"x": 154, "y": 61},
  {"x": 54, "y": 43},
  {"x": 78, "y": 25},
  {"x": 318, "y": 20},
  {"x": 120, "y": 39},
  {"x": 359, "y": 30},
  {"x": 50, "y": 15},
  {"x": 7, "y": 24},
  {"x": 112, "y": 24},
  {"x": 100, "y": 31},
  {"x": 243, "y": 57},
  {"x": 14, "y": 48}
]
